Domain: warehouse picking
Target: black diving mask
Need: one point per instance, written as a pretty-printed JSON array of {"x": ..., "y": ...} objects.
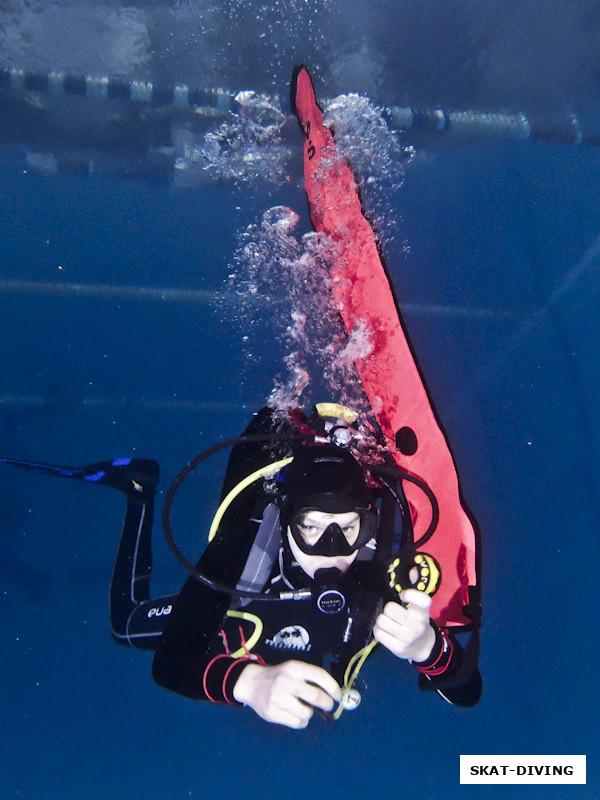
[{"x": 323, "y": 538}]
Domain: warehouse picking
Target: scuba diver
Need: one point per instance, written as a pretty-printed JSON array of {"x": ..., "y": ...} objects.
[{"x": 312, "y": 563}]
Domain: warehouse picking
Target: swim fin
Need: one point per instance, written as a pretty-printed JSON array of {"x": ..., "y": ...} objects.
[{"x": 129, "y": 475}]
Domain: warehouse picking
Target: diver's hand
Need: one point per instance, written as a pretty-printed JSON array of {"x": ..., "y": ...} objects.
[
  {"x": 406, "y": 630},
  {"x": 288, "y": 693}
]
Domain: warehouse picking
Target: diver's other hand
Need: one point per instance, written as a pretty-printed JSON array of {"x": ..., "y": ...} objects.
[
  {"x": 287, "y": 693},
  {"x": 406, "y": 630}
]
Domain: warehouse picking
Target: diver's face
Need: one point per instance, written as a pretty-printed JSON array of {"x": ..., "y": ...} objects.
[{"x": 311, "y": 526}]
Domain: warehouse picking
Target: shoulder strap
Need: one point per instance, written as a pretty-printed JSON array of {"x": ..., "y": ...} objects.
[{"x": 263, "y": 552}]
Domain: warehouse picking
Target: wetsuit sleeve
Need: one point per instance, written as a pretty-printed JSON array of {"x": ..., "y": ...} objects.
[
  {"x": 192, "y": 658},
  {"x": 451, "y": 670}
]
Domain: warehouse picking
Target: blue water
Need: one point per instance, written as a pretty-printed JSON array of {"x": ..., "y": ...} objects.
[{"x": 508, "y": 229}]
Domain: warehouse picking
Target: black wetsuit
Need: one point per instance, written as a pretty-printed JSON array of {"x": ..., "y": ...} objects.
[{"x": 207, "y": 639}]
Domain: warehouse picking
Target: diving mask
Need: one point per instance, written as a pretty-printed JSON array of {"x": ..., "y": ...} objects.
[{"x": 319, "y": 533}]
